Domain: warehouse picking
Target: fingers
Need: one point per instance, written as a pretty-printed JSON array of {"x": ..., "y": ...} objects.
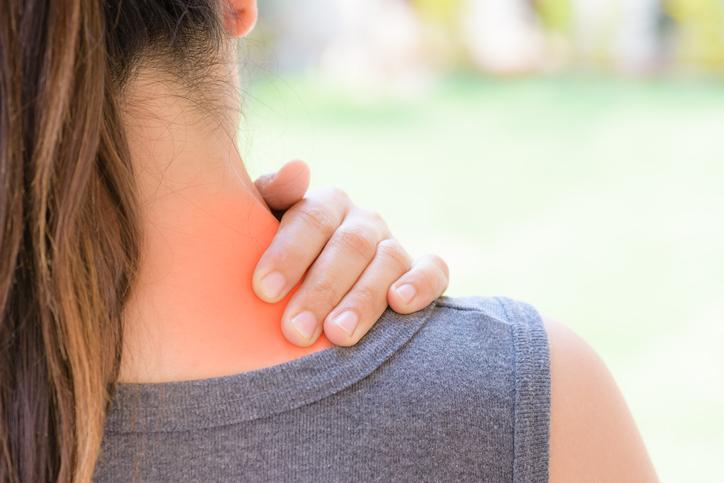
[
  {"x": 350, "y": 264},
  {"x": 287, "y": 186},
  {"x": 360, "y": 309},
  {"x": 304, "y": 231},
  {"x": 427, "y": 280},
  {"x": 348, "y": 253}
]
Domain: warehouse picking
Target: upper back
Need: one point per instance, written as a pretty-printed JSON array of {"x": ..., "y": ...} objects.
[{"x": 457, "y": 392}]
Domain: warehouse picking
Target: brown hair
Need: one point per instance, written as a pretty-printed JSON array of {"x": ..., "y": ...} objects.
[{"x": 69, "y": 234}]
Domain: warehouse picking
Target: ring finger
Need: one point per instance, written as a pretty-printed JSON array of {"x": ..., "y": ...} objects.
[{"x": 364, "y": 304}]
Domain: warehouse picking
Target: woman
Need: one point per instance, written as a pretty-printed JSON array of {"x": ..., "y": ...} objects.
[{"x": 128, "y": 259}]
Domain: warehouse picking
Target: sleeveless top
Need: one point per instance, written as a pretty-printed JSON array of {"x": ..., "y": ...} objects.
[{"x": 457, "y": 392}]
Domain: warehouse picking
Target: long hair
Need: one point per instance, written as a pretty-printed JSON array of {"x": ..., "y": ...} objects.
[{"x": 69, "y": 220}]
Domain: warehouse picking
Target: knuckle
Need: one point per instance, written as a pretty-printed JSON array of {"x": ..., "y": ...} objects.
[
  {"x": 324, "y": 291},
  {"x": 391, "y": 250},
  {"x": 356, "y": 239},
  {"x": 378, "y": 218},
  {"x": 366, "y": 296},
  {"x": 317, "y": 217},
  {"x": 332, "y": 194},
  {"x": 374, "y": 217},
  {"x": 339, "y": 195},
  {"x": 277, "y": 258}
]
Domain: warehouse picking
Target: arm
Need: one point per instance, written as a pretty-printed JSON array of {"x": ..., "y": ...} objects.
[{"x": 593, "y": 436}]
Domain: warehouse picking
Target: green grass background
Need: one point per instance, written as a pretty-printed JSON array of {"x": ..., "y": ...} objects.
[{"x": 601, "y": 201}]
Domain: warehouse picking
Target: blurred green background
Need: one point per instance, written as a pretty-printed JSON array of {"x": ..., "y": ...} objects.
[{"x": 591, "y": 190}]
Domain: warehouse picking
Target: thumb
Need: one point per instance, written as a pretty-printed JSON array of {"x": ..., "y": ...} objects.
[{"x": 286, "y": 187}]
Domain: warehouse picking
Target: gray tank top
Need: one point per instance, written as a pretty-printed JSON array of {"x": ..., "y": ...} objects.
[{"x": 457, "y": 392}]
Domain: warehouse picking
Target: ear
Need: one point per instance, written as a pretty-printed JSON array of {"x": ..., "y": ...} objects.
[{"x": 239, "y": 16}]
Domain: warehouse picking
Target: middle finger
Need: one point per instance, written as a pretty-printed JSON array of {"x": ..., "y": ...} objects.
[{"x": 349, "y": 251}]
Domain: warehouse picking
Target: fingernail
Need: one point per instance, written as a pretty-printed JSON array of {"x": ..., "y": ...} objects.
[
  {"x": 305, "y": 323},
  {"x": 406, "y": 292},
  {"x": 348, "y": 320},
  {"x": 271, "y": 285}
]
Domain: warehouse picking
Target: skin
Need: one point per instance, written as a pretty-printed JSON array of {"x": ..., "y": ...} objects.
[
  {"x": 198, "y": 308},
  {"x": 195, "y": 313},
  {"x": 593, "y": 436},
  {"x": 344, "y": 260}
]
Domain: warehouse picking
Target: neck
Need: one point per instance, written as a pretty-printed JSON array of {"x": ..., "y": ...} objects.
[{"x": 193, "y": 313}]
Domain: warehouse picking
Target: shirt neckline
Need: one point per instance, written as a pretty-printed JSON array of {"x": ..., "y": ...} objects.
[{"x": 220, "y": 401}]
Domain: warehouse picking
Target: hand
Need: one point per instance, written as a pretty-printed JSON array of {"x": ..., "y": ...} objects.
[{"x": 353, "y": 265}]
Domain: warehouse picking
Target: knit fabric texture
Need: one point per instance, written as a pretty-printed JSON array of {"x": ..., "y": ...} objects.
[{"x": 457, "y": 392}]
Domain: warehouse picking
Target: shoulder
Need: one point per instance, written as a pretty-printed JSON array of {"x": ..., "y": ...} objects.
[
  {"x": 511, "y": 325},
  {"x": 491, "y": 313},
  {"x": 593, "y": 436},
  {"x": 505, "y": 345},
  {"x": 569, "y": 416},
  {"x": 495, "y": 328}
]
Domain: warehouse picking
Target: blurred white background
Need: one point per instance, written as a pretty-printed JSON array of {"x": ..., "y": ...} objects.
[{"x": 563, "y": 152}]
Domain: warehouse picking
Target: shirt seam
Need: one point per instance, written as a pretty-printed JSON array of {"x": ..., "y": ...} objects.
[{"x": 529, "y": 338}]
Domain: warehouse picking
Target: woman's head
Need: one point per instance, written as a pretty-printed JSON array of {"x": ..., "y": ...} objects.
[{"x": 69, "y": 234}]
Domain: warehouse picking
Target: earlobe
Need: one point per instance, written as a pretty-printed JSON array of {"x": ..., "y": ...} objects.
[{"x": 239, "y": 16}]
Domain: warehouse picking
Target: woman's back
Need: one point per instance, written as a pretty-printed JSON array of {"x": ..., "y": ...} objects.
[
  {"x": 115, "y": 119},
  {"x": 460, "y": 391}
]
